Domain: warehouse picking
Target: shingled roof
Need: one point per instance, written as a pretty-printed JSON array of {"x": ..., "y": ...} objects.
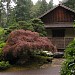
[{"x": 55, "y": 8}]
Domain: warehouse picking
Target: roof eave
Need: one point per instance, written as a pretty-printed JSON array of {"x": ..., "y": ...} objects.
[{"x": 56, "y": 7}]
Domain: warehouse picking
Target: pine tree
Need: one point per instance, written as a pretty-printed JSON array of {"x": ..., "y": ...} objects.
[
  {"x": 50, "y": 5},
  {"x": 23, "y": 9},
  {"x": 43, "y": 8},
  {"x": 69, "y": 3},
  {"x": 0, "y": 11},
  {"x": 2, "y": 14},
  {"x": 8, "y": 14}
]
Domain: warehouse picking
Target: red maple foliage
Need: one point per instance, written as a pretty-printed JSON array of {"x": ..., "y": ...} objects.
[{"x": 21, "y": 40}]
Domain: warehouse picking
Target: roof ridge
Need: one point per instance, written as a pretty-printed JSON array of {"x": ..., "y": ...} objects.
[{"x": 56, "y": 7}]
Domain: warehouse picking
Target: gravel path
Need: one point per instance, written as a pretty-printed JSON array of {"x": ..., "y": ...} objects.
[{"x": 48, "y": 70}]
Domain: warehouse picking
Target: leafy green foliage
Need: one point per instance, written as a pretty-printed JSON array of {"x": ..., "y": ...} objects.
[
  {"x": 40, "y": 8},
  {"x": 33, "y": 25},
  {"x": 35, "y": 12},
  {"x": 70, "y": 3},
  {"x": 2, "y": 35},
  {"x": 1, "y": 54},
  {"x": 22, "y": 9},
  {"x": 68, "y": 67},
  {"x": 25, "y": 25},
  {"x": 4, "y": 65},
  {"x": 1, "y": 50},
  {"x": 70, "y": 51},
  {"x": 38, "y": 26},
  {"x": 2, "y": 42},
  {"x": 2, "y": 45},
  {"x": 40, "y": 57},
  {"x": 1, "y": 31},
  {"x": 2, "y": 14},
  {"x": 43, "y": 7},
  {"x": 50, "y": 5}
]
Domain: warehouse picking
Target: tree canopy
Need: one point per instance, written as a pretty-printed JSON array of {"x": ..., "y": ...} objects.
[{"x": 70, "y": 3}]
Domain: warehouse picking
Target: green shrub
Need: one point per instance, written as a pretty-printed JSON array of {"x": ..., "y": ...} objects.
[
  {"x": 2, "y": 34},
  {"x": 4, "y": 65},
  {"x": 68, "y": 67},
  {"x": 25, "y": 25},
  {"x": 33, "y": 25},
  {"x": 1, "y": 54},
  {"x": 2, "y": 45},
  {"x": 40, "y": 57},
  {"x": 70, "y": 50},
  {"x": 38, "y": 26}
]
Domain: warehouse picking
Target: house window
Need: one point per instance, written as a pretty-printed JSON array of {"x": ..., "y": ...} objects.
[{"x": 58, "y": 33}]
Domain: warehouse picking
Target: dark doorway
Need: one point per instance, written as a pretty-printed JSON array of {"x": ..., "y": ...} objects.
[{"x": 58, "y": 33}]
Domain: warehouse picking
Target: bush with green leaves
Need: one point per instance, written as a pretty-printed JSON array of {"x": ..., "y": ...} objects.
[
  {"x": 33, "y": 25},
  {"x": 68, "y": 67},
  {"x": 70, "y": 50},
  {"x": 2, "y": 35},
  {"x": 4, "y": 65},
  {"x": 1, "y": 54},
  {"x": 38, "y": 26},
  {"x": 2, "y": 44},
  {"x": 2, "y": 41},
  {"x": 40, "y": 57},
  {"x": 25, "y": 25}
]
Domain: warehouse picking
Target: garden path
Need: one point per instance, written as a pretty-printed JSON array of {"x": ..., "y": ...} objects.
[{"x": 52, "y": 69}]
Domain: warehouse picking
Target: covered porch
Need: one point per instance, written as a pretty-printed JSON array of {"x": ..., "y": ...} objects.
[
  {"x": 61, "y": 42},
  {"x": 60, "y": 36}
]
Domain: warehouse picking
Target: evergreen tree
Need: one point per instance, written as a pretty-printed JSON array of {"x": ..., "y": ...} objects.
[
  {"x": 44, "y": 7},
  {"x": 7, "y": 9},
  {"x": 39, "y": 3},
  {"x": 2, "y": 14},
  {"x": 35, "y": 12},
  {"x": 8, "y": 15},
  {"x": 23, "y": 9},
  {"x": 70, "y": 3},
  {"x": 0, "y": 11},
  {"x": 50, "y": 5}
]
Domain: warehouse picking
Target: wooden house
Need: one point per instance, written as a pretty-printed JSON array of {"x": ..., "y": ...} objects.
[{"x": 59, "y": 25}]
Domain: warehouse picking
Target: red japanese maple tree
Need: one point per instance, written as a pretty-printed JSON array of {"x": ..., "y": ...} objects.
[{"x": 20, "y": 41}]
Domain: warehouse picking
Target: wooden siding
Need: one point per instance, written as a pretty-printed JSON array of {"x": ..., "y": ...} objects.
[
  {"x": 59, "y": 14},
  {"x": 60, "y": 17}
]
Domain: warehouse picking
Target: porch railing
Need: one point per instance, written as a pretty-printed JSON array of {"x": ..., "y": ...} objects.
[{"x": 61, "y": 42}]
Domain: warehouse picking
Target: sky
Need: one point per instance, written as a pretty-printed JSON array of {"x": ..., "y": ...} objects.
[{"x": 54, "y": 1}]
